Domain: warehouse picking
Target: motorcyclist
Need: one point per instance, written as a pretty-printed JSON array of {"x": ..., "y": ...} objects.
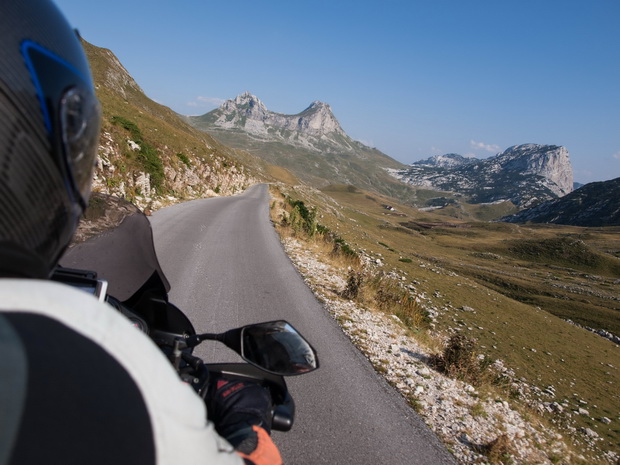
[{"x": 78, "y": 384}]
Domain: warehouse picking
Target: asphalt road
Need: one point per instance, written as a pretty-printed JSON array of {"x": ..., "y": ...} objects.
[{"x": 227, "y": 268}]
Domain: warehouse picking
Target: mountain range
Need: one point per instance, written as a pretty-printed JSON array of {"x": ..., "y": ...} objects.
[
  {"x": 148, "y": 153},
  {"x": 512, "y": 275},
  {"x": 315, "y": 128},
  {"x": 311, "y": 144},
  {"x": 525, "y": 175}
]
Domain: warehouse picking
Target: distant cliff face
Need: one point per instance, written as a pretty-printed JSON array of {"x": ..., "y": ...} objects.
[
  {"x": 524, "y": 174},
  {"x": 549, "y": 161}
]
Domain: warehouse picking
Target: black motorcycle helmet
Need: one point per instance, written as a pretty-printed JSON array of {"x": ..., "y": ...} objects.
[{"x": 49, "y": 130}]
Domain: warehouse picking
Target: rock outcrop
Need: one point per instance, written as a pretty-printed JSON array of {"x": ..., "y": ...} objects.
[
  {"x": 315, "y": 128},
  {"x": 549, "y": 161},
  {"x": 523, "y": 174},
  {"x": 247, "y": 111}
]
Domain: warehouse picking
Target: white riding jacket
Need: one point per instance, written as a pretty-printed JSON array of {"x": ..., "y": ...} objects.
[{"x": 61, "y": 352}]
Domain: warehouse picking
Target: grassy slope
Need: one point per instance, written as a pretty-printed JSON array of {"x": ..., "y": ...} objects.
[
  {"x": 161, "y": 128},
  {"x": 514, "y": 300},
  {"x": 363, "y": 168}
]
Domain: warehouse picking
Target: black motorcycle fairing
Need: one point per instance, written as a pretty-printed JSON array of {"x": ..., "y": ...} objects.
[
  {"x": 116, "y": 240},
  {"x": 120, "y": 248},
  {"x": 158, "y": 312}
]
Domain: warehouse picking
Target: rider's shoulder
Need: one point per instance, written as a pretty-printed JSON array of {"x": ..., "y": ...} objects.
[{"x": 53, "y": 325}]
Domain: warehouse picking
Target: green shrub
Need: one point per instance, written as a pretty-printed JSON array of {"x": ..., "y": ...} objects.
[
  {"x": 342, "y": 248},
  {"x": 302, "y": 218},
  {"x": 387, "y": 246},
  {"x": 130, "y": 126},
  {"x": 152, "y": 164},
  {"x": 186, "y": 161},
  {"x": 324, "y": 230},
  {"x": 147, "y": 155}
]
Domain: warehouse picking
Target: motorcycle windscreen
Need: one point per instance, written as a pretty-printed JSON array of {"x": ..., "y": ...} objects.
[{"x": 116, "y": 241}]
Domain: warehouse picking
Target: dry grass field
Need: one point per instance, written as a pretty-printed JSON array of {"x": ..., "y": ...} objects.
[{"x": 511, "y": 288}]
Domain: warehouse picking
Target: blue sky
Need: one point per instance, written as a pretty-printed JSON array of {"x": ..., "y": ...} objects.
[{"x": 412, "y": 78}]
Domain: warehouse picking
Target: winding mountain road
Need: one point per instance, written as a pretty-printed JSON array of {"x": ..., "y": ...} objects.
[{"x": 227, "y": 268}]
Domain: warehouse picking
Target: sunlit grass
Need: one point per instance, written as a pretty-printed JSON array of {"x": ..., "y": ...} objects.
[{"x": 512, "y": 307}]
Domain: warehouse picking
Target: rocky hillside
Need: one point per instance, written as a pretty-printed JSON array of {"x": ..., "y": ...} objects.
[
  {"x": 315, "y": 128},
  {"x": 148, "y": 154},
  {"x": 311, "y": 144},
  {"x": 595, "y": 204},
  {"x": 525, "y": 175}
]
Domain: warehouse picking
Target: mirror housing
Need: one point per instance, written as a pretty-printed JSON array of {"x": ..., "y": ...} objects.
[{"x": 276, "y": 347}]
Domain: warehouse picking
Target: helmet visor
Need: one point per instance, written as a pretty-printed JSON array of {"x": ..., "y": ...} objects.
[
  {"x": 71, "y": 115},
  {"x": 79, "y": 123}
]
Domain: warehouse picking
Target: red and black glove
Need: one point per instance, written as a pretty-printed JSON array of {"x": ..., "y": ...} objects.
[{"x": 241, "y": 412}]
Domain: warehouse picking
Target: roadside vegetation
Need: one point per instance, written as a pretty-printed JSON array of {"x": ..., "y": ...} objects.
[
  {"x": 368, "y": 286},
  {"x": 479, "y": 292},
  {"x": 145, "y": 156}
]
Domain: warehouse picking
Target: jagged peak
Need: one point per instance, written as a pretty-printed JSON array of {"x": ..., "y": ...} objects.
[
  {"x": 245, "y": 97},
  {"x": 529, "y": 148},
  {"x": 319, "y": 105},
  {"x": 530, "y": 173},
  {"x": 316, "y": 120}
]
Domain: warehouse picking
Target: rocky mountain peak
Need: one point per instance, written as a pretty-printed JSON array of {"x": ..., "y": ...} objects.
[
  {"x": 525, "y": 174},
  {"x": 446, "y": 161},
  {"x": 318, "y": 104},
  {"x": 246, "y": 105},
  {"x": 246, "y": 97},
  {"x": 314, "y": 126},
  {"x": 318, "y": 120},
  {"x": 549, "y": 161},
  {"x": 248, "y": 100}
]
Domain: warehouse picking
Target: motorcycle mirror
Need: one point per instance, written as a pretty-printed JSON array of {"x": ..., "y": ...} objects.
[
  {"x": 278, "y": 348},
  {"x": 275, "y": 347}
]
